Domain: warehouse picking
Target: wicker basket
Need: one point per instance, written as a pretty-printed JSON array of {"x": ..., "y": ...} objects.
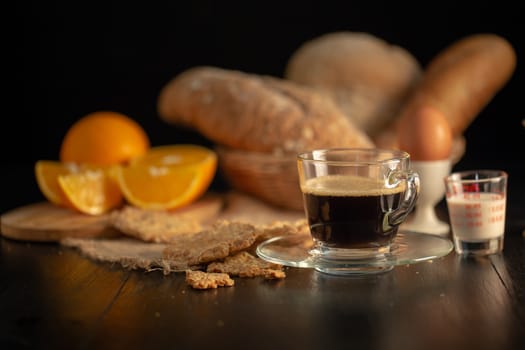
[{"x": 273, "y": 179}]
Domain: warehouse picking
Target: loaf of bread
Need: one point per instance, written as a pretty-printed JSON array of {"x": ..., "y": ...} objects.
[
  {"x": 459, "y": 82},
  {"x": 256, "y": 113},
  {"x": 367, "y": 77}
]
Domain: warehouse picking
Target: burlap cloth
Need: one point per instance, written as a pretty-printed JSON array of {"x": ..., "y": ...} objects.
[{"x": 133, "y": 253}]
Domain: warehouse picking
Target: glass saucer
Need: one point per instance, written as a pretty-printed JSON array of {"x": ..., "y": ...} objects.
[{"x": 407, "y": 248}]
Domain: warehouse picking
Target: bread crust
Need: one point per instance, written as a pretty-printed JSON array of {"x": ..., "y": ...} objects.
[
  {"x": 367, "y": 77},
  {"x": 462, "y": 79},
  {"x": 256, "y": 113},
  {"x": 459, "y": 82}
]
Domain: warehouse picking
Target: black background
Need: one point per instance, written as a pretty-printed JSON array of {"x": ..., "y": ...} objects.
[{"x": 71, "y": 58}]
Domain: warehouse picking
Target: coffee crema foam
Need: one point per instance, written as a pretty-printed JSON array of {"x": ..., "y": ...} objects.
[{"x": 348, "y": 185}]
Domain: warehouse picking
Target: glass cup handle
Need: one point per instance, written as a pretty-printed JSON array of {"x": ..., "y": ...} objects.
[{"x": 397, "y": 216}]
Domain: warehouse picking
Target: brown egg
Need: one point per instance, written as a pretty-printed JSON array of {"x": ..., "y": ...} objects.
[{"x": 425, "y": 134}]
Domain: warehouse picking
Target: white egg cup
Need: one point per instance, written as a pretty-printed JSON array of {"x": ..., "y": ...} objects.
[{"x": 432, "y": 191}]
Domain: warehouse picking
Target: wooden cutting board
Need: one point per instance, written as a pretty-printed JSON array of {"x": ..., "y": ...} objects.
[{"x": 45, "y": 222}]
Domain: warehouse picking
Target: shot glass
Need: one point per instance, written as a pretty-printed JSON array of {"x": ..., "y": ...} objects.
[{"x": 476, "y": 202}]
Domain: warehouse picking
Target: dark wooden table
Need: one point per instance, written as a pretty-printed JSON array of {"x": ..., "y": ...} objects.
[{"x": 54, "y": 298}]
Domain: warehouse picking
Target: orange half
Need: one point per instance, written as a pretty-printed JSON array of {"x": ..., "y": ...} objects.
[
  {"x": 176, "y": 155},
  {"x": 168, "y": 177}
]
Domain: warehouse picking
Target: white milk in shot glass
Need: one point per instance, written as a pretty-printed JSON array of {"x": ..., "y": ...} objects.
[{"x": 476, "y": 202}]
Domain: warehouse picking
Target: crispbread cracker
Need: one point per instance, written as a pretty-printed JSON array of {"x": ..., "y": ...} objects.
[
  {"x": 204, "y": 280},
  {"x": 243, "y": 264},
  {"x": 223, "y": 239},
  {"x": 164, "y": 226},
  {"x": 152, "y": 226},
  {"x": 217, "y": 245}
]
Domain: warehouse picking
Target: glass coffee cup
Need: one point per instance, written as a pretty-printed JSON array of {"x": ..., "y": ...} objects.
[{"x": 355, "y": 200}]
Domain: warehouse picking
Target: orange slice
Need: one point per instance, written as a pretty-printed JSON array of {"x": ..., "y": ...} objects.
[
  {"x": 47, "y": 173},
  {"x": 168, "y": 177},
  {"x": 92, "y": 191}
]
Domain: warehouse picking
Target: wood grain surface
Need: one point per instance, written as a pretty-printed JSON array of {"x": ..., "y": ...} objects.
[
  {"x": 47, "y": 222},
  {"x": 54, "y": 296}
]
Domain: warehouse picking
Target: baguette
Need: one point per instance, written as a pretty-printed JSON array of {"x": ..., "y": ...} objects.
[
  {"x": 459, "y": 82},
  {"x": 256, "y": 113}
]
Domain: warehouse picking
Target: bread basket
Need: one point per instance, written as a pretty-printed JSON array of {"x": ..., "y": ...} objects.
[{"x": 269, "y": 177}]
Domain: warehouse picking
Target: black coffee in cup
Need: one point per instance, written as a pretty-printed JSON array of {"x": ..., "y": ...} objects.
[{"x": 350, "y": 211}]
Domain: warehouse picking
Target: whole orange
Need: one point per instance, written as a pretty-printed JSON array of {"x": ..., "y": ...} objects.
[{"x": 104, "y": 138}]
